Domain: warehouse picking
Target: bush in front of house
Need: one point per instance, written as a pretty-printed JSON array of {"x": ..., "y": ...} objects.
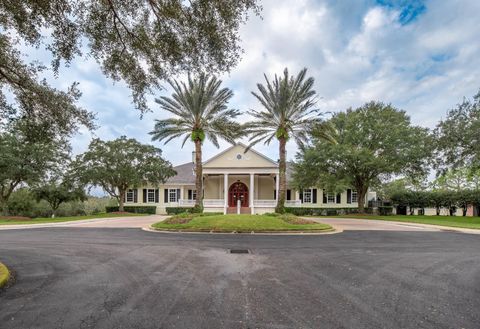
[
  {"x": 178, "y": 210},
  {"x": 321, "y": 211},
  {"x": 152, "y": 210},
  {"x": 385, "y": 210}
]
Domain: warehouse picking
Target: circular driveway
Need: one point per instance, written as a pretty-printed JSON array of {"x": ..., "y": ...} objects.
[{"x": 76, "y": 277}]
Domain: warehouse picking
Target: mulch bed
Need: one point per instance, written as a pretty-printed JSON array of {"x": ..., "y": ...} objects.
[
  {"x": 19, "y": 218},
  {"x": 122, "y": 213}
]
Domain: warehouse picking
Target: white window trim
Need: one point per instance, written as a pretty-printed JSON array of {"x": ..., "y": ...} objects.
[
  {"x": 194, "y": 195},
  {"x": 354, "y": 196},
  {"x": 310, "y": 195},
  {"x": 333, "y": 197},
  {"x": 130, "y": 197},
  {"x": 150, "y": 193},
  {"x": 172, "y": 195}
]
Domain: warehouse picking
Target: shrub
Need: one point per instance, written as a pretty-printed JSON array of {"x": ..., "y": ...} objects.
[
  {"x": 179, "y": 210},
  {"x": 385, "y": 210},
  {"x": 152, "y": 210},
  {"x": 321, "y": 211}
]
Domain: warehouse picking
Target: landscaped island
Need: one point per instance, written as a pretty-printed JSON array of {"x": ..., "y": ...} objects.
[{"x": 210, "y": 222}]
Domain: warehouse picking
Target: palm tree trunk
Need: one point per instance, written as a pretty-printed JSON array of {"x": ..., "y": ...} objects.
[
  {"x": 198, "y": 174},
  {"x": 282, "y": 176}
]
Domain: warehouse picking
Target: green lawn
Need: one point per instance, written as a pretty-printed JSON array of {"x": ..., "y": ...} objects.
[
  {"x": 4, "y": 221},
  {"x": 240, "y": 223},
  {"x": 451, "y": 221}
]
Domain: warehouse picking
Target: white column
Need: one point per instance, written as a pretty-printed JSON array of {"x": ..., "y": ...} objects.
[
  {"x": 277, "y": 186},
  {"x": 252, "y": 193},
  {"x": 181, "y": 194},
  {"x": 225, "y": 193}
]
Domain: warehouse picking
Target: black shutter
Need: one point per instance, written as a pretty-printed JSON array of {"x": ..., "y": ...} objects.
[
  {"x": 274, "y": 194},
  {"x": 178, "y": 194},
  {"x": 190, "y": 197},
  {"x": 349, "y": 196},
  {"x": 135, "y": 195},
  {"x": 301, "y": 195},
  {"x": 156, "y": 196},
  {"x": 314, "y": 195},
  {"x": 324, "y": 196},
  {"x": 339, "y": 198},
  {"x": 144, "y": 195},
  {"x": 289, "y": 194},
  {"x": 165, "y": 195}
]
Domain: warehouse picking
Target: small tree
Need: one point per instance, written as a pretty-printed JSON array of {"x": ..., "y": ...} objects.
[
  {"x": 119, "y": 164},
  {"x": 56, "y": 193},
  {"x": 374, "y": 141}
]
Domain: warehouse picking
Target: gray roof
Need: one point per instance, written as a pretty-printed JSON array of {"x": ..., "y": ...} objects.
[{"x": 185, "y": 174}]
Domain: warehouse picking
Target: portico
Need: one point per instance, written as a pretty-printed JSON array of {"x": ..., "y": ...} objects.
[{"x": 238, "y": 178}]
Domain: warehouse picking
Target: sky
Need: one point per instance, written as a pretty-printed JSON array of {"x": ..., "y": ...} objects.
[{"x": 420, "y": 56}]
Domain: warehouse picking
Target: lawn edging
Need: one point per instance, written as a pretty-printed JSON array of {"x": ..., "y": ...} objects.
[
  {"x": 186, "y": 231},
  {"x": 4, "y": 275}
]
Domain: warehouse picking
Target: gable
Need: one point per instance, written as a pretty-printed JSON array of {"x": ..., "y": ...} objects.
[{"x": 235, "y": 157}]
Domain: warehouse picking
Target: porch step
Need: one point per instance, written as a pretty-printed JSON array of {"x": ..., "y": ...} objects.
[{"x": 243, "y": 210}]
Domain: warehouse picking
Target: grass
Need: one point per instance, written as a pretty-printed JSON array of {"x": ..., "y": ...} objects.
[
  {"x": 4, "y": 275},
  {"x": 13, "y": 221},
  {"x": 450, "y": 221},
  {"x": 239, "y": 223}
]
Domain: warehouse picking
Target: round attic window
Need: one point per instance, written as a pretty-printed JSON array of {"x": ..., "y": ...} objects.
[{"x": 239, "y": 157}]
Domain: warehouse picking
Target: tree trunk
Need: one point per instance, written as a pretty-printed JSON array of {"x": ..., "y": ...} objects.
[
  {"x": 121, "y": 199},
  {"x": 199, "y": 174},
  {"x": 282, "y": 186},
  {"x": 362, "y": 192}
]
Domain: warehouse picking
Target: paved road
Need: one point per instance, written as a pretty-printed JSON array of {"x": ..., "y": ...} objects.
[{"x": 129, "y": 278}]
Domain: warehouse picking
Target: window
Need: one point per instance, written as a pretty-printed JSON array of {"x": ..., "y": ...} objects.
[
  {"x": 307, "y": 195},
  {"x": 354, "y": 196},
  {"x": 192, "y": 195},
  {"x": 151, "y": 196},
  {"x": 130, "y": 196},
  {"x": 172, "y": 195},
  {"x": 330, "y": 198}
]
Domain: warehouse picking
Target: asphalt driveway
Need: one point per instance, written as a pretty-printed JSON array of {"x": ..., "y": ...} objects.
[{"x": 129, "y": 278}]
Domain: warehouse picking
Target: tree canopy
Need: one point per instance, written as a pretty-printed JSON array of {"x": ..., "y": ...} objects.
[
  {"x": 373, "y": 142},
  {"x": 26, "y": 158},
  {"x": 140, "y": 42},
  {"x": 58, "y": 192},
  {"x": 120, "y": 164},
  {"x": 458, "y": 136}
]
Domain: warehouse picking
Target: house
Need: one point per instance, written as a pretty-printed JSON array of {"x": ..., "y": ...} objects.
[{"x": 235, "y": 180}]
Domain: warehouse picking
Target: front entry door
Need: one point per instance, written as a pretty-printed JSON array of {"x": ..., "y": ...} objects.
[{"x": 238, "y": 191}]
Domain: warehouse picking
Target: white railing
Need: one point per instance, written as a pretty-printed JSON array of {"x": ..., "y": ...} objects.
[
  {"x": 213, "y": 202},
  {"x": 293, "y": 203},
  {"x": 265, "y": 203},
  {"x": 183, "y": 202}
]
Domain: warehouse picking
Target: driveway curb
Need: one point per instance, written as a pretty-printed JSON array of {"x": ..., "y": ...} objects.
[{"x": 326, "y": 232}]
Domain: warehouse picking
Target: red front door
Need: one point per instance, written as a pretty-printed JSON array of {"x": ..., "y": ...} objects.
[{"x": 238, "y": 191}]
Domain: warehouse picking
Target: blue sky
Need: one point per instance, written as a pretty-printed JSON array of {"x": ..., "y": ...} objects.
[{"x": 421, "y": 56}]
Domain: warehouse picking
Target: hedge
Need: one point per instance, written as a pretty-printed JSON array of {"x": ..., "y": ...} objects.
[
  {"x": 152, "y": 210},
  {"x": 321, "y": 211},
  {"x": 385, "y": 210},
  {"x": 178, "y": 210}
]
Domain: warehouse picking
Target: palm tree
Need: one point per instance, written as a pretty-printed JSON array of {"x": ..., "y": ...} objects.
[
  {"x": 288, "y": 113},
  {"x": 200, "y": 107}
]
